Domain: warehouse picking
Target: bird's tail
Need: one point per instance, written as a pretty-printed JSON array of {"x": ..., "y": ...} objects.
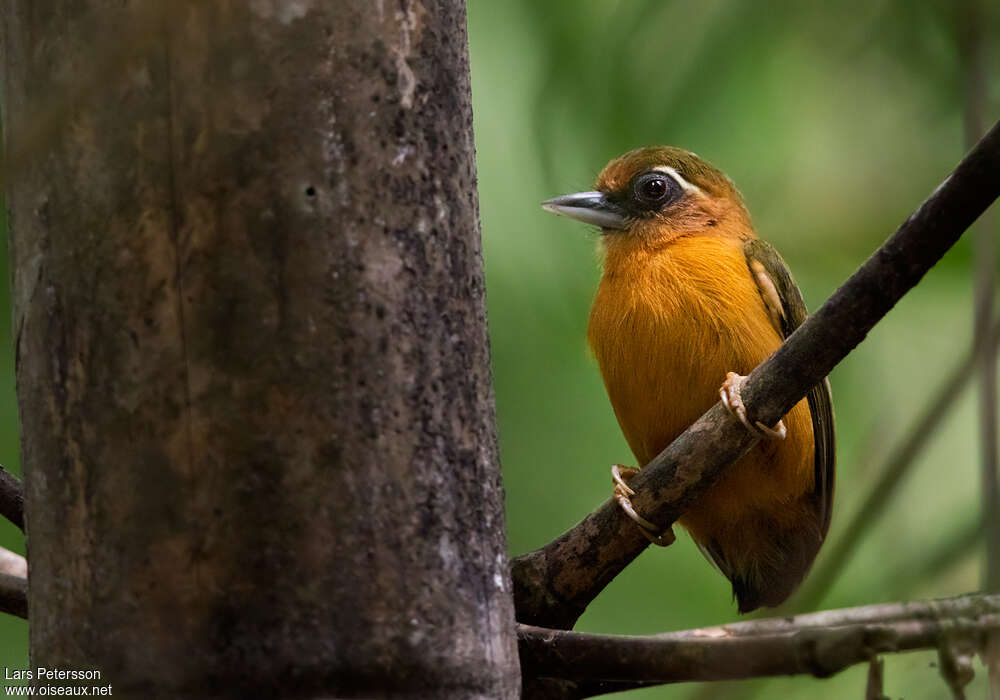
[{"x": 767, "y": 572}]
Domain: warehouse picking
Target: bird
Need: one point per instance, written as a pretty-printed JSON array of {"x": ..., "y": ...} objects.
[{"x": 689, "y": 302}]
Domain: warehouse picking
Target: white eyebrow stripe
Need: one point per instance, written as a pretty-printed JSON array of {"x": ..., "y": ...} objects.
[{"x": 677, "y": 176}]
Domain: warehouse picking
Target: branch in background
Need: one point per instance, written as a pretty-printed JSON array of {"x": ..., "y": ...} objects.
[
  {"x": 972, "y": 42},
  {"x": 833, "y": 560},
  {"x": 11, "y": 498},
  {"x": 14, "y": 595},
  {"x": 961, "y": 542},
  {"x": 553, "y": 585},
  {"x": 820, "y": 645}
]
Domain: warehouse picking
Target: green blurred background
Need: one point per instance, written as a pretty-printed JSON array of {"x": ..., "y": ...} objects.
[{"x": 835, "y": 120}]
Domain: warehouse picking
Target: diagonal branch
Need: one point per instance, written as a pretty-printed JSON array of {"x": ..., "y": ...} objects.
[
  {"x": 820, "y": 645},
  {"x": 553, "y": 585}
]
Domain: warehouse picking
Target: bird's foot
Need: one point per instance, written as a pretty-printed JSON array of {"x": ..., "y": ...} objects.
[
  {"x": 621, "y": 475},
  {"x": 729, "y": 392}
]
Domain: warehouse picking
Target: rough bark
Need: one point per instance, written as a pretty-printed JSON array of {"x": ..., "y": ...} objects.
[{"x": 253, "y": 375}]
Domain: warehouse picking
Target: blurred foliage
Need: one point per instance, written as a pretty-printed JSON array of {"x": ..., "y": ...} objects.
[{"x": 835, "y": 120}]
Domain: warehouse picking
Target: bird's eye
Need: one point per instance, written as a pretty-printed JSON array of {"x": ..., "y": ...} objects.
[{"x": 655, "y": 189}]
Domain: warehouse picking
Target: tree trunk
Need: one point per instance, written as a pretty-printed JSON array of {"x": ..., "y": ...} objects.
[{"x": 252, "y": 362}]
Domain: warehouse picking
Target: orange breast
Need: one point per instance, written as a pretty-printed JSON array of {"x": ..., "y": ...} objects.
[{"x": 666, "y": 326}]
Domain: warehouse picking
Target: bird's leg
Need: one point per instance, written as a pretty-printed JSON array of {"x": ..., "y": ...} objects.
[
  {"x": 621, "y": 475},
  {"x": 729, "y": 392}
]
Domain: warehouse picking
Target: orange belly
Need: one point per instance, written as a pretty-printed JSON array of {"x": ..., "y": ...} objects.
[{"x": 666, "y": 326}]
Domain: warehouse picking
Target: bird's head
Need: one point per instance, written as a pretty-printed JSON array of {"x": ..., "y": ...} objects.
[{"x": 657, "y": 194}]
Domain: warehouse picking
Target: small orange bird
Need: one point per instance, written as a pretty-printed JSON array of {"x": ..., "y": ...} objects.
[{"x": 691, "y": 299}]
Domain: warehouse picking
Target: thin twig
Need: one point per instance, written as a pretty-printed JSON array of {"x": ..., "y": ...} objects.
[
  {"x": 876, "y": 680},
  {"x": 955, "y": 653},
  {"x": 990, "y": 655},
  {"x": 11, "y": 498},
  {"x": 553, "y": 585},
  {"x": 819, "y": 645},
  {"x": 972, "y": 41},
  {"x": 14, "y": 595},
  {"x": 833, "y": 561},
  {"x": 964, "y": 606}
]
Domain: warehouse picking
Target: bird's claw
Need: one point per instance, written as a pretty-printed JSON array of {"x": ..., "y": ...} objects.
[
  {"x": 729, "y": 392},
  {"x": 620, "y": 475}
]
